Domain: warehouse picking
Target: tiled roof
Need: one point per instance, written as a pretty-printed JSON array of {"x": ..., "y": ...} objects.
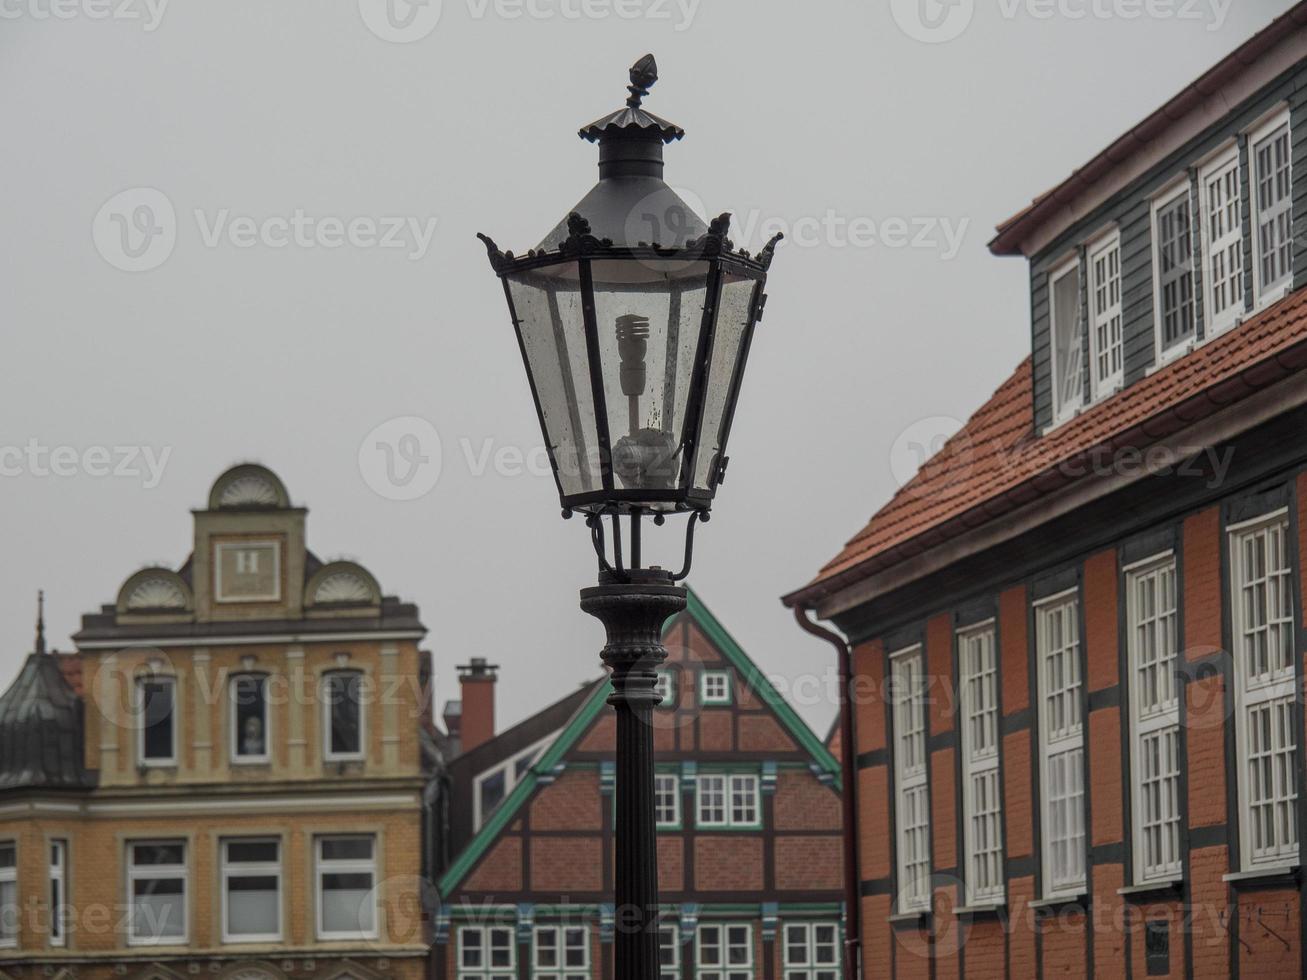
[{"x": 996, "y": 462}]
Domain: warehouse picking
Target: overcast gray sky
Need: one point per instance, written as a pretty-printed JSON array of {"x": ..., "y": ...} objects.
[{"x": 887, "y": 140}]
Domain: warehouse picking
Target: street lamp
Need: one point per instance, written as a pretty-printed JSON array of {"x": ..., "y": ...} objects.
[{"x": 634, "y": 320}]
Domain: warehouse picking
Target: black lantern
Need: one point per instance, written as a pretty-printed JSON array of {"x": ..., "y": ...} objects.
[{"x": 634, "y": 319}]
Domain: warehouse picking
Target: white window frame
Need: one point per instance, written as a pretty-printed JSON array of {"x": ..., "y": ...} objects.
[
  {"x": 363, "y": 687},
  {"x": 911, "y": 786},
  {"x": 223, "y": 546},
  {"x": 484, "y": 970},
  {"x": 665, "y": 685},
  {"x": 1273, "y": 692},
  {"x": 982, "y": 799},
  {"x": 669, "y": 931},
  {"x": 511, "y": 777},
  {"x": 664, "y": 818},
  {"x": 1104, "y": 385},
  {"x": 730, "y": 784},
  {"x": 1061, "y": 740},
  {"x": 234, "y": 742},
  {"x": 158, "y": 761},
  {"x": 9, "y": 876},
  {"x": 229, "y": 869},
  {"x": 323, "y": 866},
  {"x": 560, "y": 970},
  {"x": 59, "y": 905},
  {"x": 177, "y": 872},
  {"x": 1221, "y": 163},
  {"x": 722, "y": 969},
  {"x": 719, "y": 698},
  {"x": 1154, "y": 706},
  {"x": 801, "y": 959},
  {"x": 1182, "y": 188},
  {"x": 1264, "y": 294},
  {"x": 1065, "y": 411}
]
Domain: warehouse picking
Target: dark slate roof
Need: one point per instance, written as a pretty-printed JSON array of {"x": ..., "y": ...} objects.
[{"x": 41, "y": 730}]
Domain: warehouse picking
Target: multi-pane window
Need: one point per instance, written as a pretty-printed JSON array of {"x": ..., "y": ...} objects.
[
  {"x": 1219, "y": 192},
  {"x": 1105, "y": 314},
  {"x": 1261, "y": 606},
  {"x": 249, "y": 718},
  {"x": 490, "y": 788},
  {"x": 669, "y": 952},
  {"x": 251, "y": 891},
  {"x": 981, "y": 802},
  {"x": 1153, "y": 643},
  {"x": 156, "y": 712},
  {"x": 8, "y": 895},
  {"x": 724, "y": 952},
  {"x": 912, "y": 804},
  {"x": 1061, "y": 744},
  {"x": 728, "y": 800},
  {"x": 667, "y": 800},
  {"x": 487, "y": 953},
  {"x": 342, "y": 693},
  {"x": 346, "y": 886},
  {"x": 1173, "y": 235},
  {"x": 665, "y": 688},
  {"x": 1272, "y": 177},
  {"x": 1064, "y": 317},
  {"x": 812, "y": 951},
  {"x": 715, "y": 687},
  {"x": 156, "y": 892},
  {"x": 560, "y": 953},
  {"x": 58, "y": 893}
]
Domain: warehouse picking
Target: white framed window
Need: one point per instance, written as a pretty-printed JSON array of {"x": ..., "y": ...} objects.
[
  {"x": 58, "y": 893},
  {"x": 560, "y": 953},
  {"x": 487, "y": 953},
  {"x": 667, "y": 800},
  {"x": 492, "y": 787},
  {"x": 669, "y": 952},
  {"x": 665, "y": 688},
  {"x": 346, "y": 887},
  {"x": 911, "y": 798},
  {"x": 156, "y": 720},
  {"x": 157, "y": 879},
  {"x": 1061, "y": 745},
  {"x": 249, "y": 718},
  {"x": 344, "y": 716},
  {"x": 1107, "y": 365},
  {"x": 982, "y": 811},
  {"x": 715, "y": 687},
  {"x": 812, "y": 951},
  {"x": 1220, "y": 196},
  {"x": 1261, "y": 606},
  {"x": 1064, "y": 334},
  {"x": 728, "y": 800},
  {"x": 1270, "y": 153},
  {"x": 1174, "y": 305},
  {"x": 251, "y": 890},
  {"x": 724, "y": 951},
  {"x": 8, "y": 894},
  {"x": 1153, "y": 644}
]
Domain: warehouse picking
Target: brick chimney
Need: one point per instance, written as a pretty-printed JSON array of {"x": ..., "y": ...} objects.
[{"x": 477, "y": 721}]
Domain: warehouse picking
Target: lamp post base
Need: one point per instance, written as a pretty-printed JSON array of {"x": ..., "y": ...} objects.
[{"x": 633, "y": 614}]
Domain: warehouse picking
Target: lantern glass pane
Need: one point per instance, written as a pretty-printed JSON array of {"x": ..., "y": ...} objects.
[
  {"x": 548, "y": 307},
  {"x": 649, "y": 317},
  {"x": 733, "y": 321}
]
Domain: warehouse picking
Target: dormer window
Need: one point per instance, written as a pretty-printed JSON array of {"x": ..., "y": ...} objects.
[
  {"x": 1173, "y": 259},
  {"x": 1064, "y": 311},
  {"x": 1218, "y": 186},
  {"x": 1105, "y": 314},
  {"x": 1272, "y": 192}
]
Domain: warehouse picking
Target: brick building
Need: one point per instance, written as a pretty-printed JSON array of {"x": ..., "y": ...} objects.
[
  {"x": 227, "y": 778},
  {"x": 1077, "y": 633},
  {"x": 749, "y": 828}
]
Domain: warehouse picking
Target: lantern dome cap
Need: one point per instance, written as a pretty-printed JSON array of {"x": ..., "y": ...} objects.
[{"x": 633, "y": 120}]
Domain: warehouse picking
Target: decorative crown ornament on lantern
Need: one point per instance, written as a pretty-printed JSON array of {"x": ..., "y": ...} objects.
[{"x": 634, "y": 319}]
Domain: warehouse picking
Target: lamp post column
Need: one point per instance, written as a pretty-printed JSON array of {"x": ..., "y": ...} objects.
[{"x": 633, "y": 615}]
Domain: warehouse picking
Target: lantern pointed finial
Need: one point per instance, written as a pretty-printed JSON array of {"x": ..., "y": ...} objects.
[
  {"x": 643, "y": 75},
  {"x": 40, "y": 621}
]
